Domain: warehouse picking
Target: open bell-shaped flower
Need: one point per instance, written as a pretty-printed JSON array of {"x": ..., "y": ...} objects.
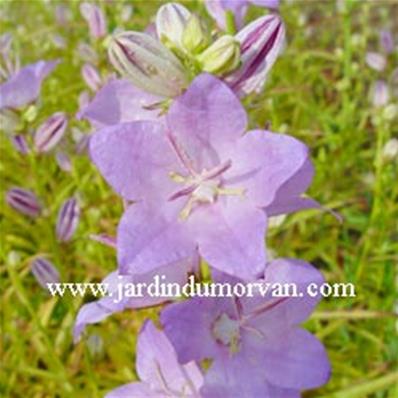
[{"x": 147, "y": 63}]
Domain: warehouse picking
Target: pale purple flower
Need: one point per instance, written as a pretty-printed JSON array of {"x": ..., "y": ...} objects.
[
  {"x": 23, "y": 87},
  {"x": 99, "y": 310},
  {"x": 95, "y": 18},
  {"x": 24, "y": 201},
  {"x": 376, "y": 61},
  {"x": 50, "y": 133},
  {"x": 218, "y": 9},
  {"x": 67, "y": 220},
  {"x": 158, "y": 368},
  {"x": 380, "y": 94},
  {"x": 91, "y": 76},
  {"x": 44, "y": 272},
  {"x": 387, "y": 41},
  {"x": 62, "y": 14},
  {"x": 87, "y": 53},
  {"x": 82, "y": 144},
  {"x": 199, "y": 182},
  {"x": 20, "y": 144},
  {"x": 5, "y": 43},
  {"x": 83, "y": 99},
  {"x": 63, "y": 161},
  {"x": 119, "y": 102},
  {"x": 256, "y": 344},
  {"x": 261, "y": 43}
]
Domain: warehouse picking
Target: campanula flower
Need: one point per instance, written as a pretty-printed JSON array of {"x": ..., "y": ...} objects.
[
  {"x": 198, "y": 182},
  {"x": 67, "y": 220},
  {"x": 376, "y": 61},
  {"x": 63, "y": 161},
  {"x": 91, "y": 76},
  {"x": 380, "y": 93},
  {"x": 20, "y": 144},
  {"x": 99, "y": 310},
  {"x": 44, "y": 272},
  {"x": 158, "y": 368},
  {"x": 24, "y": 201},
  {"x": 256, "y": 344},
  {"x": 23, "y": 86},
  {"x": 218, "y": 9}
]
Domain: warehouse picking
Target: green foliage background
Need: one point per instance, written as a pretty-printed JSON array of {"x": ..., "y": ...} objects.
[{"x": 318, "y": 92}]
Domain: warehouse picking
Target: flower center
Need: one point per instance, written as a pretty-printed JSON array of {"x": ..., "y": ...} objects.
[
  {"x": 226, "y": 331},
  {"x": 203, "y": 187}
]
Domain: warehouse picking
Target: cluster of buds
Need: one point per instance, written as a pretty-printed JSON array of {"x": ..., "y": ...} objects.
[{"x": 184, "y": 49}]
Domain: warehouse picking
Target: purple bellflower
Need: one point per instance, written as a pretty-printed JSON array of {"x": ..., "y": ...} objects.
[
  {"x": 158, "y": 368},
  {"x": 118, "y": 300},
  {"x": 23, "y": 87},
  {"x": 218, "y": 9},
  {"x": 199, "y": 182},
  {"x": 256, "y": 344}
]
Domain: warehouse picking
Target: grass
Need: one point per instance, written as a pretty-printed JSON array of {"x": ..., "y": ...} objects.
[{"x": 318, "y": 92}]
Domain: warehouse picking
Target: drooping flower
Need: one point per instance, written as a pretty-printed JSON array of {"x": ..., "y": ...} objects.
[
  {"x": 118, "y": 299},
  {"x": 67, "y": 220},
  {"x": 256, "y": 344},
  {"x": 199, "y": 182},
  {"x": 50, "y": 132},
  {"x": 95, "y": 18},
  {"x": 158, "y": 368},
  {"x": 24, "y": 201},
  {"x": 218, "y": 9},
  {"x": 23, "y": 86},
  {"x": 261, "y": 42},
  {"x": 44, "y": 272}
]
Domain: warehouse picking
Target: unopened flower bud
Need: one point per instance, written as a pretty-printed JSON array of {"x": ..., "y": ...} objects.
[
  {"x": 387, "y": 41},
  {"x": 171, "y": 20},
  {"x": 23, "y": 201},
  {"x": 376, "y": 61},
  {"x": 63, "y": 161},
  {"x": 20, "y": 144},
  {"x": 261, "y": 42},
  {"x": 221, "y": 57},
  {"x": 50, "y": 132},
  {"x": 390, "y": 149},
  {"x": 194, "y": 38},
  {"x": 95, "y": 19},
  {"x": 147, "y": 63},
  {"x": 380, "y": 95},
  {"x": 68, "y": 220},
  {"x": 44, "y": 272},
  {"x": 91, "y": 76}
]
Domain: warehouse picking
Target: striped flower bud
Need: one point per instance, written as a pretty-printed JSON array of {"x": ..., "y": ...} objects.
[
  {"x": 20, "y": 144},
  {"x": 171, "y": 20},
  {"x": 95, "y": 19},
  {"x": 24, "y": 201},
  {"x": 91, "y": 76},
  {"x": 44, "y": 272},
  {"x": 147, "y": 63},
  {"x": 221, "y": 57},
  {"x": 50, "y": 132},
  {"x": 260, "y": 44},
  {"x": 63, "y": 161},
  {"x": 68, "y": 220}
]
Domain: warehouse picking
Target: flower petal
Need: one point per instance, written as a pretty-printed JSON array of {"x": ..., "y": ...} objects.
[
  {"x": 263, "y": 161},
  {"x": 295, "y": 359},
  {"x": 135, "y": 159},
  {"x": 119, "y": 102},
  {"x": 150, "y": 237},
  {"x": 157, "y": 363},
  {"x": 207, "y": 120},
  {"x": 230, "y": 235},
  {"x": 134, "y": 390}
]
